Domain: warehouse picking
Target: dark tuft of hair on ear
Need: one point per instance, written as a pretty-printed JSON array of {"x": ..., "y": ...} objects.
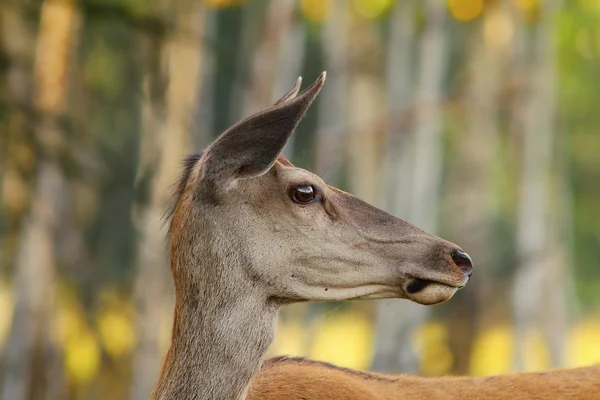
[{"x": 178, "y": 188}]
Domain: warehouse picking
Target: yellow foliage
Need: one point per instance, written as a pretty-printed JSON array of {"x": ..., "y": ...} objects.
[
  {"x": 527, "y": 5},
  {"x": 68, "y": 323},
  {"x": 492, "y": 352},
  {"x": 465, "y": 10},
  {"x": 82, "y": 357},
  {"x": 69, "y": 316},
  {"x": 593, "y": 5},
  {"x": 115, "y": 324},
  {"x": 81, "y": 349},
  {"x": 587, "y": 43},
  {"x": 6, "y": 308},
  {"x": 536, "y": 357},
  {"x": 431, "y": 341},
  {"x": 223, "y": 3},
  {"x": 115, "y": 331},
  {"x": 316, "y": 10},
  {"x": 288, "y": 340},
  {"x": 371, "y": 9},
  {"x": 101, "y": 70},
  {"x": 498, "y": 28},
  {"x": 584, "y": 344},
  {"x": 345, "y": 340},
  {"x": 14, "y": 191}
]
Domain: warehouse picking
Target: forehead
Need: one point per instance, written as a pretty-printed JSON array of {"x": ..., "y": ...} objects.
[
  {"x": 284, "y": 170},
  {"x": 282, "y": 160},
  {"x": 282, "y": 173}
]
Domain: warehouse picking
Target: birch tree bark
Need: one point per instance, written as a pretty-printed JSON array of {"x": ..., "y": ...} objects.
[
  {"x": 541, "y": 268},
  {"x": 164, "y": 145},
  {"x": 472, "y": 182},
  {"x": 17, "y": 44},
  {"x": 264, "y": 69},
  {"x": 35, "y": 272},
  {"x": 394, "y": 319},
  {"x": 365, "y": 108},
  {"x": 334, "y": 106},
  {"x": 422, "y": 163},
  {"x": 290, "y": 57},
  {"x": 560, "y": 282},
  {"x": 205, "y": 106}
]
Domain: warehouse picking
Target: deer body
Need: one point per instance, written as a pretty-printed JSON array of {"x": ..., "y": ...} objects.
[
  {"x": 297, "y": 379},
  {"x": 249, "y": 232}
]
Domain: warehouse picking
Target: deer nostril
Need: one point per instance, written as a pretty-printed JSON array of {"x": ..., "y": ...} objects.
[{"x": 463, "y": 261}]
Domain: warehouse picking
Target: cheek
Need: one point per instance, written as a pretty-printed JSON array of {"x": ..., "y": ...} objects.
[{"x": 313, "y": 215}]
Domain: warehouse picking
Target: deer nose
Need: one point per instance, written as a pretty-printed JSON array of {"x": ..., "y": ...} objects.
[{"x": 463, "y": 261}]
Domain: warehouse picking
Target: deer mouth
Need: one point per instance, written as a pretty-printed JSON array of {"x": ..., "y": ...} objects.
[
  {"x": 427, "y": 292},
  {"x": 418, "y": 284}
]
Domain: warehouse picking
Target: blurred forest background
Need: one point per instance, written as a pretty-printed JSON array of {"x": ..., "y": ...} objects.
[{"x": 476, "y": 120}]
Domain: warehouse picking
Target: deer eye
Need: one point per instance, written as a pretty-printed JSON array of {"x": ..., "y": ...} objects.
[{"x": 303, "y": 194}]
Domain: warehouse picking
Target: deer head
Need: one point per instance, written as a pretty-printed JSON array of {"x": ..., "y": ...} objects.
[{"x": 288, "y": 235}]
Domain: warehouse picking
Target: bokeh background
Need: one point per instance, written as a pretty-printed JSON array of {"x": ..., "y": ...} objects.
[{"x": 476, "y": 120}]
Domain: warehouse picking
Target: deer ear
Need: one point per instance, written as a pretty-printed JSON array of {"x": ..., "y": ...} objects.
[
  {"x": 292, "y": 93},
  {"x": 251, "y": 147}
]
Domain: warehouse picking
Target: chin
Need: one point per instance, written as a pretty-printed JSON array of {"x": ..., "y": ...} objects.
[{"x": 433, "y": 293}]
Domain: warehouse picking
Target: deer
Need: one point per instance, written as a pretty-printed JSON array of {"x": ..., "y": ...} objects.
[
  {"x": 249, "y": 233},
  {"x": 298, "y": 378}
]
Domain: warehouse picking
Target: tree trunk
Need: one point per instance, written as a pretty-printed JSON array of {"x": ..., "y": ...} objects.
[
  {"x": 205, "y": 105},
  {"x": 472, "y": 186},
  {"x": 537, "y": 269},
  {"x": 396, "y": 319},
  {"x": 333, "y": 112},
  {"x": 34, "y": 282},
  {"x": 365, "y": 110},
  {"x": 161, "y": 152},
  {"x": 264, "y": 69},
  {"x": 290, "y": 59},
  {"x": 17, "y": 44},
  {"x": 560, "y": 282},
  {"x": 422, "y": 174}
]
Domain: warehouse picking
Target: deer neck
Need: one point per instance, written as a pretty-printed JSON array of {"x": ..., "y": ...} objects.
[{"x": 220, "y": 335}]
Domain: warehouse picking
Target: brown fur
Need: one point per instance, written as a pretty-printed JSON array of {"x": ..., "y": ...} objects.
[
  {"x": 241, "y": 247},
  {"x": 300, "y": 379}
]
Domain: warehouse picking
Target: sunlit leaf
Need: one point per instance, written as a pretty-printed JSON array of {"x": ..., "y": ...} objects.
[
  {"x": 82, "y": 357},
  {"x": 492, "y": 352},
  {"x": 68, "y": 323},
  {"x": 102, "y": 70},
  {"x": 498, "y": 28},
  {"x": 371, "y": 9},
  {"x": 70, "y": 319},
  {"x": 527, "y": 5},
  {"x": 584, "y": 344},
  {"x": 223, "y": 3},
  {"x": 14, "y": 192},
  {"x": 431, "y": 341},
  {"x": 6, "y": 308},
  {"x": 345, "y": 340},
  {"x": 316, "y": 10},
  {"x": 536, "y": 356},
  {"x": 465, "y": 10},
  {"x": 289, "y": 339},
  {"x": 587, "y": 43},
  {"x": 116, "y": 332}
]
